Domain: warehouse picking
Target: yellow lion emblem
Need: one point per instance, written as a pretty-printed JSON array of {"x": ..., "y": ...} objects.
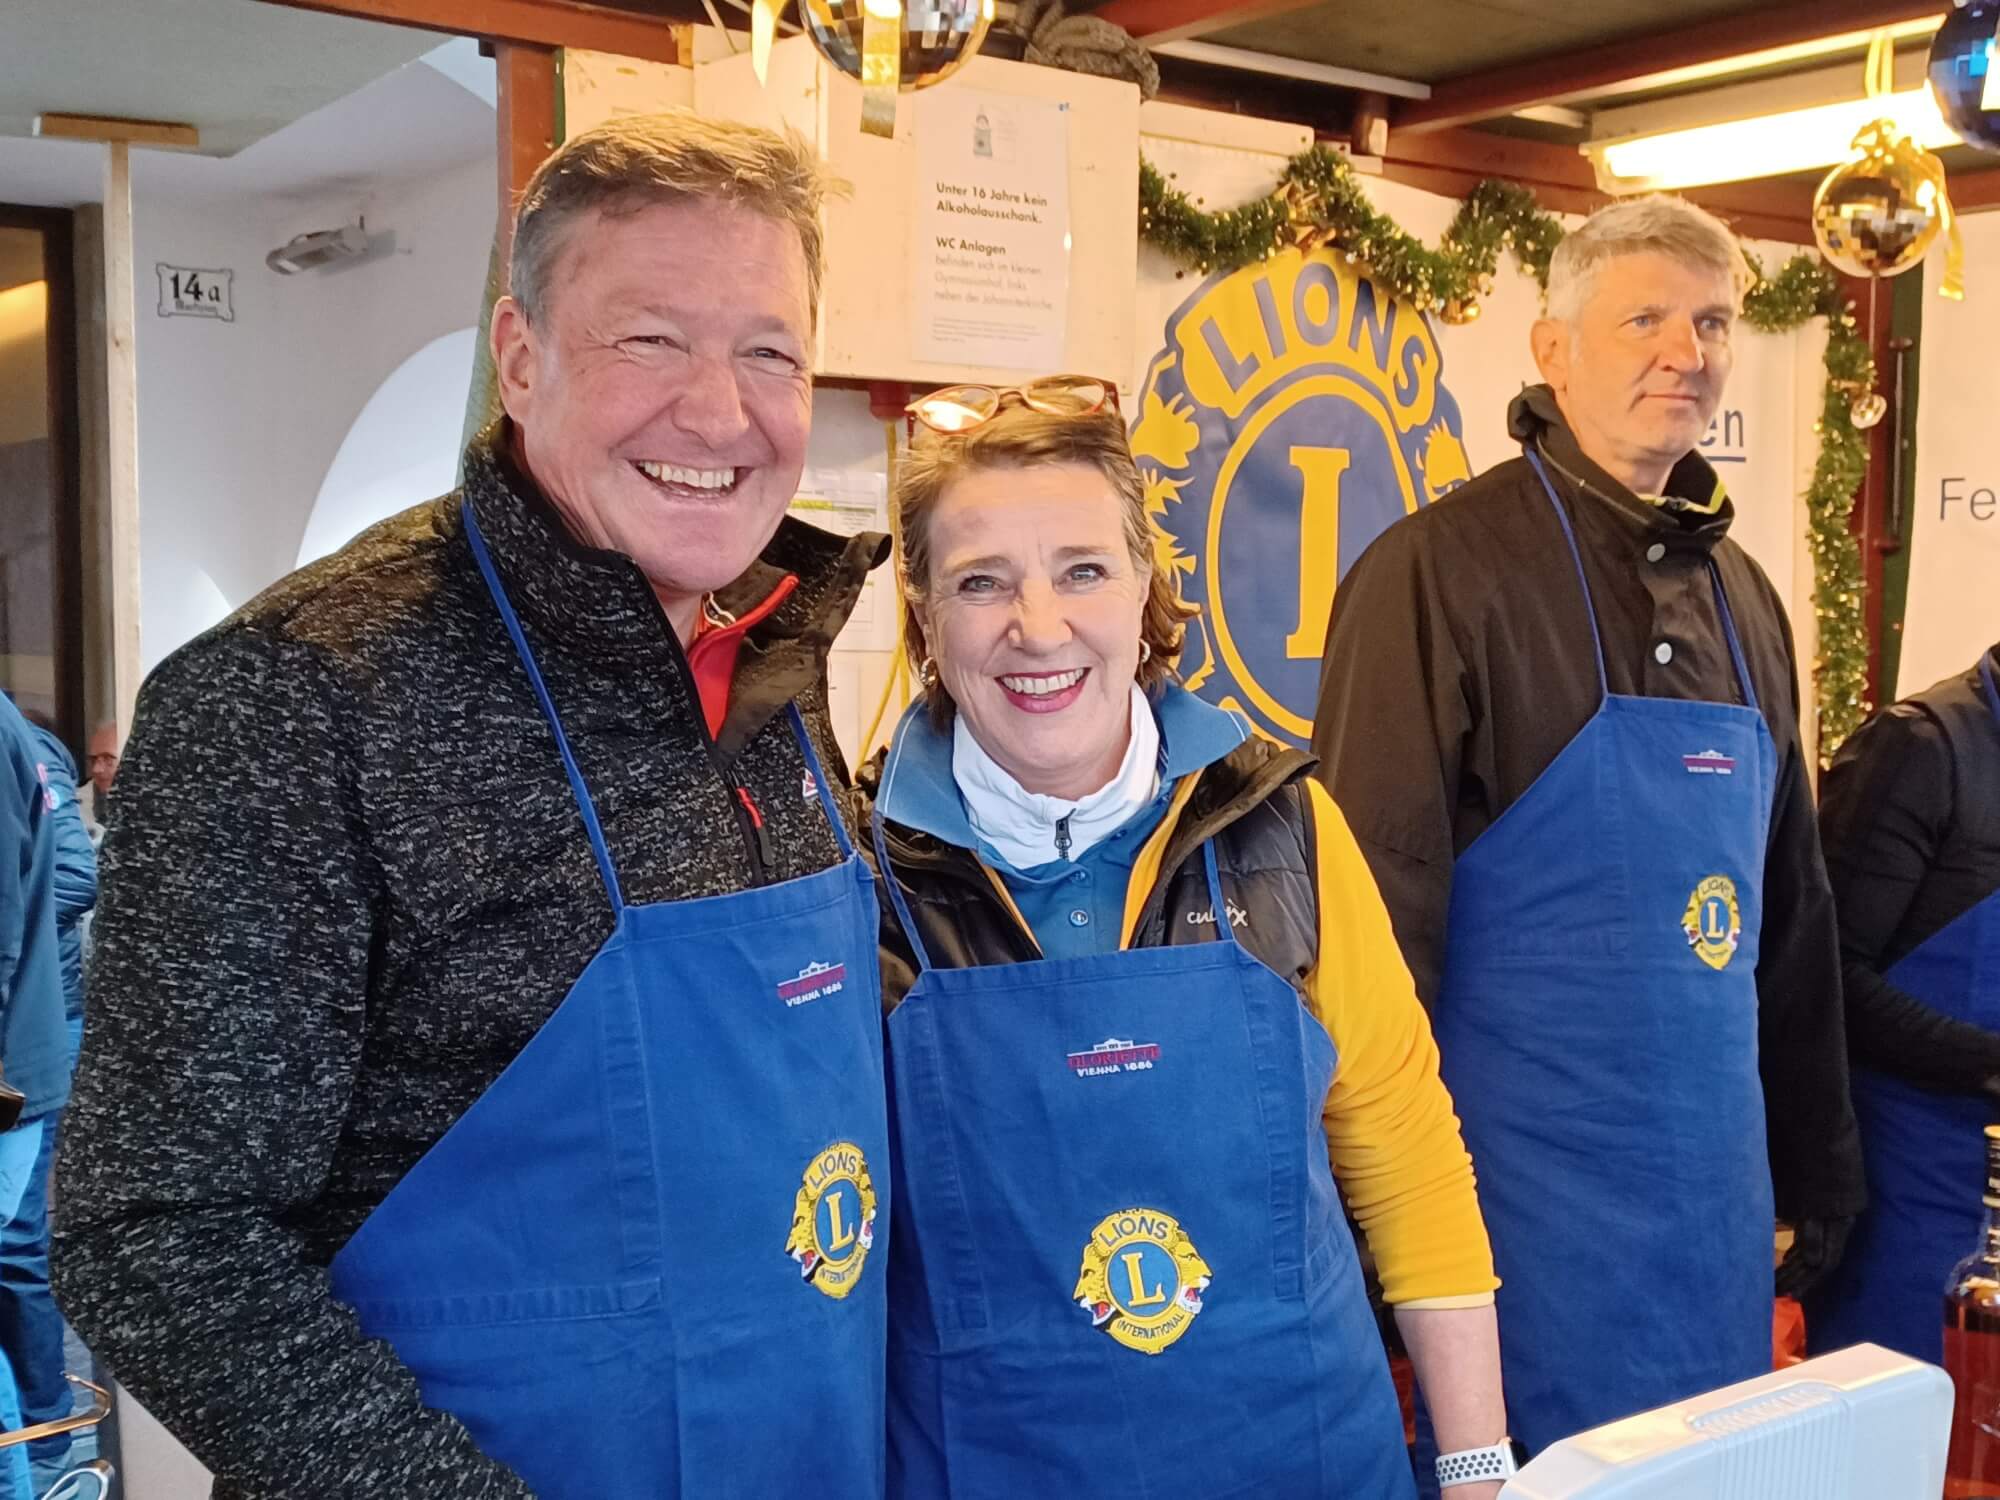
[
  {"x": 1142, "y": 1279},
  {"x": 1443, "y": 464},
  {"x": 833, "y": 1220},
  {"x": 1713, "y": 922}
]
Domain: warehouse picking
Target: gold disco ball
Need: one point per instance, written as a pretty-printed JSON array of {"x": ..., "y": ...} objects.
[
  {"x": 937, "y": 36},
  {"x": 1878, "y": 211}
]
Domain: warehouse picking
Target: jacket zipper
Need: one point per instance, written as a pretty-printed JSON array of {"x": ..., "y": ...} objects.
[
  {"x": 760, "y": 841},
  {"x": 749, "y": 818},
  {"x": 1063, "y": 840}
]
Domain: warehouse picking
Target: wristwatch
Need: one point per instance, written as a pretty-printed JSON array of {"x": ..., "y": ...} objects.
[{"x": 1477, "y": 1465}]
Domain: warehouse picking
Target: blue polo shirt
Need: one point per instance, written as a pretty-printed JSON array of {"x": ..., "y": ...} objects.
[{"x": 1073, "y": 907}]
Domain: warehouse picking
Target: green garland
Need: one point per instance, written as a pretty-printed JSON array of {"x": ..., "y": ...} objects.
[{"x": 1319, "y": 201}]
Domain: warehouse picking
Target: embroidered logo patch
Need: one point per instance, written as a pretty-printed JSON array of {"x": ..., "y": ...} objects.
[
  {"x": 1713, "y": 922},
  {"x": 1142, "y": 1279},
  {"x": 811, "y": 982},
  {"x": 833, "y": 1220},
  {"x": 1238, "y": 917},
  {"x": 1709, "y": 763},
  {"x": 1114, "y": 1056}
]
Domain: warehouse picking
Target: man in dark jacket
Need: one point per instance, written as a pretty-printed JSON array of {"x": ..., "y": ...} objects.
[
  {"x": 396, "y": 828},
  {"x": 34, "y": 1056},
  {"x": 1560, "y": 711},
  {"x": 31, "y": 1330},
  {"x": 1910, "y": 811}
]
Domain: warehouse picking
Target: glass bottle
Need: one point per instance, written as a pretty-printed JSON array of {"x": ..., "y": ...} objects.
[{"x": 1972, "y": 1352}]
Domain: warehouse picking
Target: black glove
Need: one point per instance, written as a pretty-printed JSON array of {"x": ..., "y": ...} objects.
[{"x": 1817, "y": 1245}]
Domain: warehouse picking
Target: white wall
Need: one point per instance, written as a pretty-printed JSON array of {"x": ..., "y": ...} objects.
[
  {"x": 1954, "y": 604},
  {"x": 239, "y": 421}
]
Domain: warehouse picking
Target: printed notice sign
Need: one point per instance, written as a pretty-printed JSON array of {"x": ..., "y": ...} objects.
[{"x": 992, "y": 226}]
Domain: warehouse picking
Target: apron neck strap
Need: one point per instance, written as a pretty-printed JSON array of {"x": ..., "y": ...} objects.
[
  {"x": 508, "y": 618},
  {"x": 1575, "y": 556},
  {"x": 896, "y": 891},
  {"x": 1225, "y": 930},
  {"x": 818, "y": 775},
  {"x": 1590, "y": 606},
  {"x": 1735, "y": 642},
  {"x": 1992, "y": 687}
]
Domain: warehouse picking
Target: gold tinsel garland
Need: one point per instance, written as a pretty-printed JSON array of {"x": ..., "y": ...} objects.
[{"x": 1319, "y": 202}]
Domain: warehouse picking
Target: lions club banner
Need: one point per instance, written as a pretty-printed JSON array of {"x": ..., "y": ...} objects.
[{"x": 1293, "y": 411}]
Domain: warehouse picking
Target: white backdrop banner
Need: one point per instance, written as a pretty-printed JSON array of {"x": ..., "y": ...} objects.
[
  {"x": 1954, "y": 606},
  {"x": 1287, "y": 413}
]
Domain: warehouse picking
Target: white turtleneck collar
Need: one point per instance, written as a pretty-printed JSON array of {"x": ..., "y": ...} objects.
[{"x": 1027, "y": 829}]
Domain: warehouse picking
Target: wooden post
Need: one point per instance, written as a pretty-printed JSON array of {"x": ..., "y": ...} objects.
[
  {"x": 1869, "y": 520},
  {"x": 1369, "y": 135},
  {"x": 122, "y": 429},
  {"x": 525, "y": 119},
  {"x": 527, "y": 123},
  {"x": 121, "y": 373}
]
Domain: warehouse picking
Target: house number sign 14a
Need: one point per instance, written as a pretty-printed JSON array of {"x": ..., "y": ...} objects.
[{"x": 195, "y": 292}]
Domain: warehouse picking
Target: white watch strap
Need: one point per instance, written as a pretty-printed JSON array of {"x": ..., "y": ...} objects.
[{"x": 1476, "y": 1465}]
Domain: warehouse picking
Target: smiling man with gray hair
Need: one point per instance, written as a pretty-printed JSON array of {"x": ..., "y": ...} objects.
[
  {"x": 1560, "y": 710},
  {"x": 484, "y": 1095}
]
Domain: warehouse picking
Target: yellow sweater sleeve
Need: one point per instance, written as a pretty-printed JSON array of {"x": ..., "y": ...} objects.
[{"x": 1391, "y": 1132}]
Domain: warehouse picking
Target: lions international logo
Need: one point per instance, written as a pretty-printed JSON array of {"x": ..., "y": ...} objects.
[
  {"x": 1713, "y": 922},
  {"x": 833, "y": 1220},
  {"x": 1296, "y": 411},
  {"x": 1142, "y": 1279}
]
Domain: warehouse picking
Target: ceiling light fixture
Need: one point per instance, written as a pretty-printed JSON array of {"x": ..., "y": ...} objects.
[{"x": 1800, "y": 140}]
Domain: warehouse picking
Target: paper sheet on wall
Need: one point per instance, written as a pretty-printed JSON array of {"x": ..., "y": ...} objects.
[
  {"x": 993, "y": 230},
  {"x": 847, "y": 501}
]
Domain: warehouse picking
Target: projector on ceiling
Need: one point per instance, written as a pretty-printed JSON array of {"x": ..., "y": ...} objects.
[{"x": 319, "y": 247}]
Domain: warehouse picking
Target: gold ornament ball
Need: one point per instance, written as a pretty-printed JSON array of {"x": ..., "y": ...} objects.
[
  {"x": 1460, "y": 311},
  {"x": 1878, "y": 211},
  {"x": 937, "y": 36}
]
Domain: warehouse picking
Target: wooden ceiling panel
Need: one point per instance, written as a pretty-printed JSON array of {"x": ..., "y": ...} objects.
[{"x": 1430, "y": 40}]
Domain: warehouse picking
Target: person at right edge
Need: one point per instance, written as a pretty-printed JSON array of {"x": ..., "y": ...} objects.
[
  {"x": 1910, "y": 814},
  {"x": 1559, "y": 710}
]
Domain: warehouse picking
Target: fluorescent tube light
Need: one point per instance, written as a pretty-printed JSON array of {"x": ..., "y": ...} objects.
[{"x": 1766, "y": 146}]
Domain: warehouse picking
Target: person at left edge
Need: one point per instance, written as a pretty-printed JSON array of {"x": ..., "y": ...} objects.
[
  {"x": 483, "y": 1094},
  {"x": 1910, "y": 813},
  {"x": 34, "y": 1053},
  {"x": 1150, "y": 1027},
  {"x": 31, "y": 1330}
]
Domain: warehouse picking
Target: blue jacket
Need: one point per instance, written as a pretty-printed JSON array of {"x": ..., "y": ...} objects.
[
  {"x": 76, "y": 865},
  {"x": 34, "y": 1038}
]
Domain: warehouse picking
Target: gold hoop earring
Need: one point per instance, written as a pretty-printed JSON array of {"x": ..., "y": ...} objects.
[
  {"x": 1145, "y": 652},
  {"x": 927, "y": 674}
]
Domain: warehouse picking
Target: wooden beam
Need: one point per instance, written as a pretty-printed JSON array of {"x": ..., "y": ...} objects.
[
  {"x": 1976, "y": 192},
  {"x": 1452, "y": 161},
  {"x": 108, "y": 128},
  {"x": 537, "y": 23},
  {"x": 122, "y": 429},
  {"x": 1481, "y": 96},
  {"x": 1155, "y": 21}
]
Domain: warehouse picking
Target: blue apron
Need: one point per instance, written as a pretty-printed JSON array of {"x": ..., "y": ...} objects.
[
  {"x": 1597, "y": 1024},
  {"x": 639, "y": 1263},
  {"x": 1926, "y": 1155},
  {"x": 1120, "y": 1264}
]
